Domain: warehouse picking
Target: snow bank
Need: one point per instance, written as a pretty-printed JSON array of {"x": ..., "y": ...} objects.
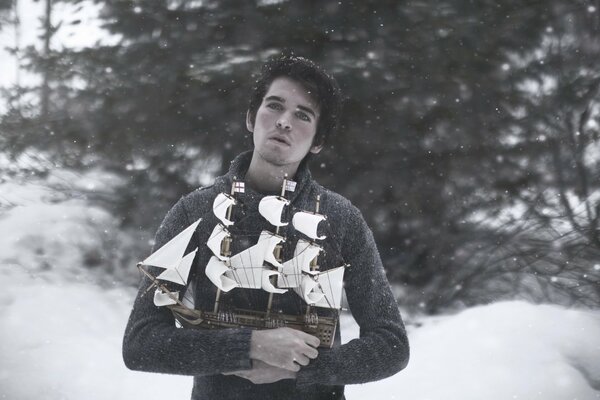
[
  {"x": 508, "y": 350},
  {"x": 61, "y": 333},
  {"x": 63, "y": 341},
  {"x": 49, "y": 228},
  {"x": 63, "y": 236}
]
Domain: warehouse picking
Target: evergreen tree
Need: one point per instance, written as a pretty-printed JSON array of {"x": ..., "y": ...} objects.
[{"x": 454, "y": 113}]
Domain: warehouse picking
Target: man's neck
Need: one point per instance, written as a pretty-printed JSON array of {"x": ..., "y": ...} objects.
[{"x": 265, "y": 177}]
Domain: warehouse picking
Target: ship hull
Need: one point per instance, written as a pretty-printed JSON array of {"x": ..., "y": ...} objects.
[{"x": 322, "y": 327}]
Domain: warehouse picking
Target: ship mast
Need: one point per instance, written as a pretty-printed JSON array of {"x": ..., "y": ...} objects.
[
  {"x": 226, "y": 244},
  {"x": 313, "y": 263},
  {"x": 278, "y": 248}
]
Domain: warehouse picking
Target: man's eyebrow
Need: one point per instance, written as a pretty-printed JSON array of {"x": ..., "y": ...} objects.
[
  {"x": 303, "y": 108},
  {"x": 308, "y": 110},
  {"x": 276, "y": 98}
]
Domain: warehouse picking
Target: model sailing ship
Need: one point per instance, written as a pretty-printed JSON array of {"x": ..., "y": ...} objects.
[{"x": 259, "y": 267}]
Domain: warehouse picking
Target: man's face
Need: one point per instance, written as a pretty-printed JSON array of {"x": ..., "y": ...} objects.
[{"x": 285, "y": 124}]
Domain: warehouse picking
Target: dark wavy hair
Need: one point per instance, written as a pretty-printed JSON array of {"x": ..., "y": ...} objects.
[{"x": 315, "y": 80}]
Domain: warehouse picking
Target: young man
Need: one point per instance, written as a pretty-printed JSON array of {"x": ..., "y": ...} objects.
[{"x": 293, "y": 109}]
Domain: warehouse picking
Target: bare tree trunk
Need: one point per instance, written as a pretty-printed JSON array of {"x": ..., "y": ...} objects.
[
  {"x": 45, "y": 100},
  {"x": 17, "y": 27}
]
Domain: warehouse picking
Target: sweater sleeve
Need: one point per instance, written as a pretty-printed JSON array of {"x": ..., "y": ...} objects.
[
  {"x": 153, "y": 343},
  {"x": 382, "y": 348}
]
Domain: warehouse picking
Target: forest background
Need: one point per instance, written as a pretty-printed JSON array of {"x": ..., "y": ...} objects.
[{"x": 469, "y": 137}]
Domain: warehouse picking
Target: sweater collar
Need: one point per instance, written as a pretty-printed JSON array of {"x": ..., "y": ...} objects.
[{"x": 239, "y": 167}]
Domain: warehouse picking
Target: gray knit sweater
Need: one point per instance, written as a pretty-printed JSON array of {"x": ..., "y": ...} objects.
[{"x": 152, "y": 342}]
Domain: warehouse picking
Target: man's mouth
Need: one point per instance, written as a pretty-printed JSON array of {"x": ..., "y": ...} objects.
[{"x": 280, "y": 140}]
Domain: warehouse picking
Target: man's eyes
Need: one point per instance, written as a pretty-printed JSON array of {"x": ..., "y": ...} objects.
[
  {"x": 303, "y": 116},
  {"x": 299, "y": 114},
  {"x": 275, "y": 106}
]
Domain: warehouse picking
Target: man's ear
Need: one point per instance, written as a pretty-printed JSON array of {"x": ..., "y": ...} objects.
[
  {"x": 249, "y": 124},
  {"x": 316, "y": 149}
]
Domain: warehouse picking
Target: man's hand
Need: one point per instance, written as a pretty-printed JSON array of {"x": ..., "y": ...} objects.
[
  {"x": 263, "y": 373},
  {"x": 284, "y": 347}
]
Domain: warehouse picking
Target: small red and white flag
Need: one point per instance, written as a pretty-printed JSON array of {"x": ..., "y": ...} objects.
[
  {"x": 290, "y": 186},
  {"x": 238, "y": 187}
]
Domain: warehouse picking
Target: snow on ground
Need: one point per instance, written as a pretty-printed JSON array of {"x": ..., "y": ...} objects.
[
  {"x": 60, "y": 336},
  {"x": 50, "y": 229},
  {"x": 62, "y": 321},
  {"x": 507, "y": 350},
  {"x": 63, "y": 341}
]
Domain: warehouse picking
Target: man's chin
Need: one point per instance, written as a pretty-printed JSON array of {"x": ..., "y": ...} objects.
[{"x": 271, "y": 157}]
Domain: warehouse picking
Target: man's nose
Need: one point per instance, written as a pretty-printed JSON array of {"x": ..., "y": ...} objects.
[{"x": 284, "y": 123}]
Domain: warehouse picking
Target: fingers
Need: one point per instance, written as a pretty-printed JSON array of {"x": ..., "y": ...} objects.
[
  {"x": 308, "y": 338},
  {"x": 311, "y": 353},
  {"x": 290, "y": 366},
  {"x": 241, "y": 374},
  {"x": 232, "y": 372},
  {"x": 302, "y": 360},
  {"x": 314, "y": 342},
  {"x": 284, "y": 348}
]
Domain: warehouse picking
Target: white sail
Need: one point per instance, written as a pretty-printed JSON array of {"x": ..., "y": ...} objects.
[
  {"x": 272, "y": 241},
  {"x": 291, "y": 273},
  {"x": 271, "y": 208},
  {"x": 247, "y": 266},
  {"x": 309, "y": 290},
  {"x": 220, "y": 206},
  {"x": 188, "y": 298},
  {"x": 164, "y": 299},
  {"x": 248, "y": 277},
  {"x": 170, "y": 254},
  {"x": 326, "y": 290},
  {"x": 216, "y": 270},
  {"x": 216, "y": 238},
  {"x": 307, "y": 223},
  {"x": 266, "y": 282},
  {"x": 180, "y": 273}
]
